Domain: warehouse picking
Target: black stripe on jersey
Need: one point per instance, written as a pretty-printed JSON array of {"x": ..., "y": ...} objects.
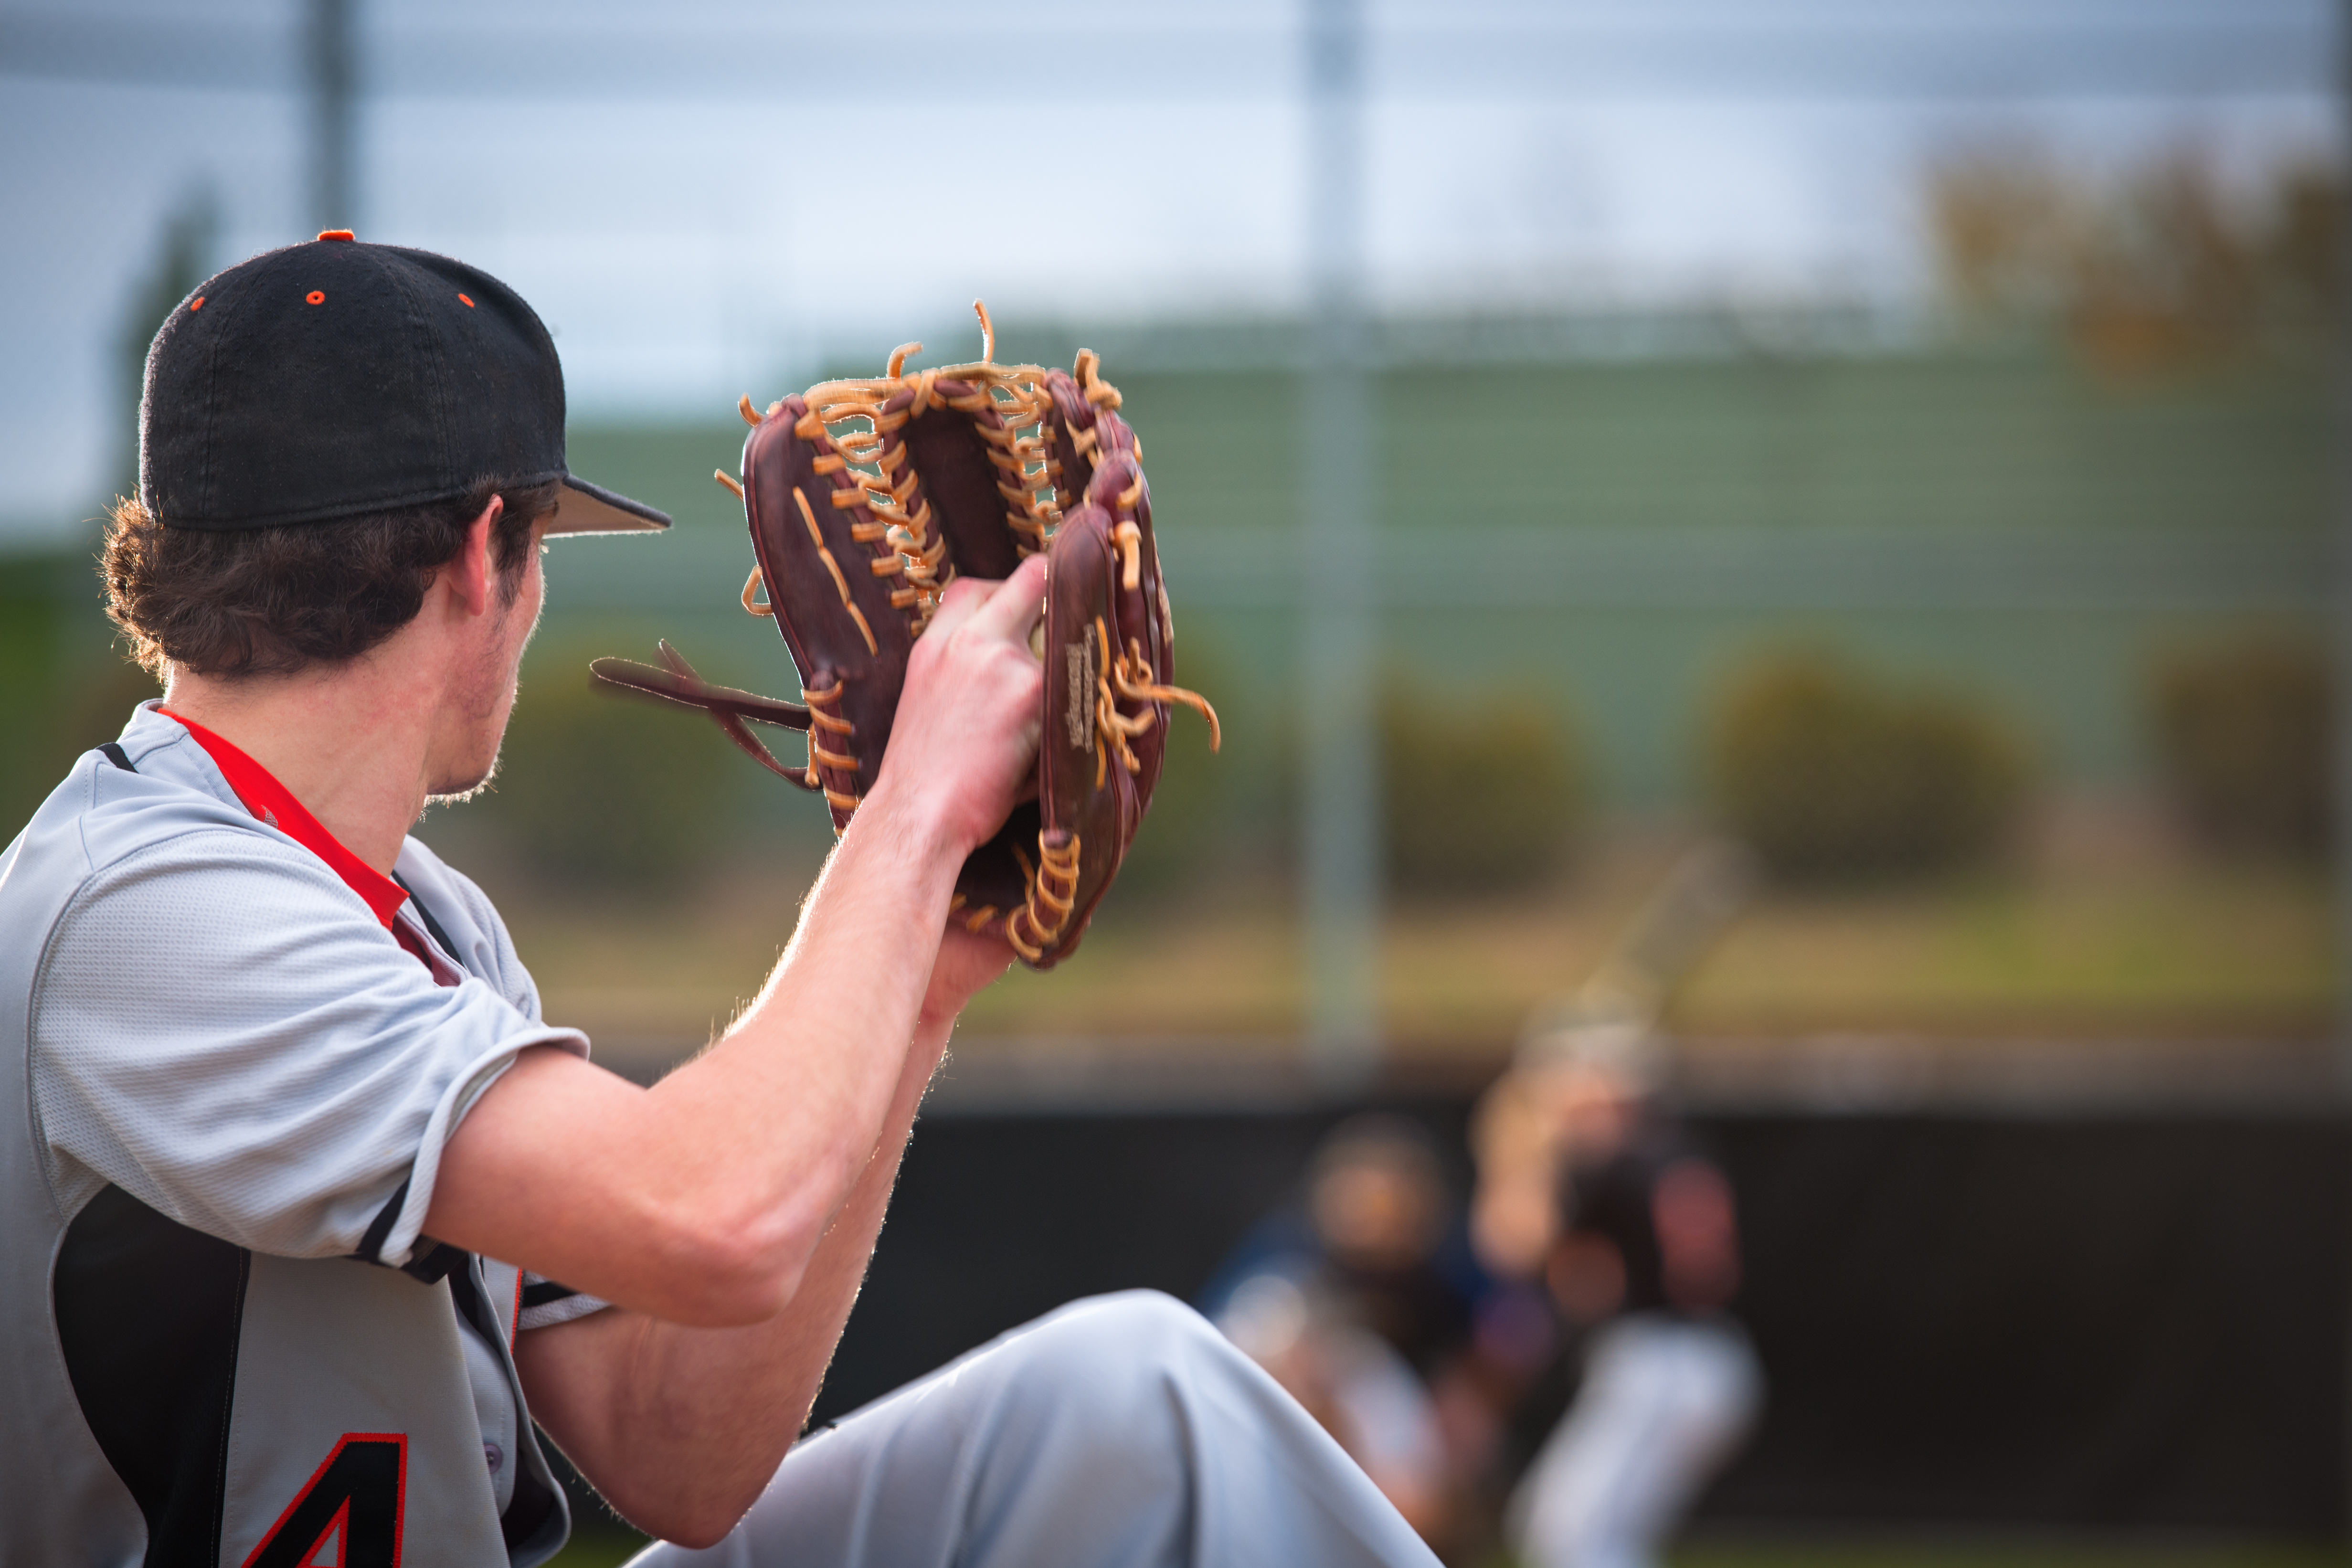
[
  {"x": 532, "y": 1501},
  {"x": 437, "y": 1261},
  {"x": 379, "y": 1229},
  {"x": 425, "y": 913},
  {"x": 545, "y": 1293},
  {"x": 434, "y": 1259},
  {"x": 148, "y": 1312},
  {"x": 118, "y": 756}
]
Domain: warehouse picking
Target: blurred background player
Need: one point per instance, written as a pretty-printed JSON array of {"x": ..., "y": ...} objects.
[
  {"x": 1359, "y": 1298},
  {"x": 1588, "y": 1181}
]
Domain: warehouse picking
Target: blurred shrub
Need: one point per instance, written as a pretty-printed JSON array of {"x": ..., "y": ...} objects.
[
  {"x": 2241, "y": 730},
  {"x": 64, "y": 687},
  {"x": 1830, "y": 778},
  {"x": 35, "y": 758},
  {"x": 99, "y": 701},
  {"x": 90, "y": 700},
  {"x": 1478, "y": 795},
  {"x": 604, "y": 790}
]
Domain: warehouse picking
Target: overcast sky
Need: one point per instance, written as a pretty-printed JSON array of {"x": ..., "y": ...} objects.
[{"x": 712, "y": 195}]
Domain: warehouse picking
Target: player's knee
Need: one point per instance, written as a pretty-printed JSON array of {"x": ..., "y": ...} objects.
[
  {"x": 1133, "y": 1328},
  {"x": 1122, "y": 1356}
]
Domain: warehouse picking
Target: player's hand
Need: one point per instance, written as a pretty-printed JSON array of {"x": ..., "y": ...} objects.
[
  {"x": 964, "y": 743},
  {"x": 966, "y": 966}
]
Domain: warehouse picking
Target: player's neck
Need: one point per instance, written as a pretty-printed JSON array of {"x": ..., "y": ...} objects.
[{"x": 362, "y": 744}]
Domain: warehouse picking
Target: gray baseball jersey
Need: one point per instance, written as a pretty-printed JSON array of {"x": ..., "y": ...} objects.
[{"x": 228, "y": 1079}]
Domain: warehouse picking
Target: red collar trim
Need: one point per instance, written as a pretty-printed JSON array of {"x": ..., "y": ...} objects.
[{"x": 274, "y": 804}]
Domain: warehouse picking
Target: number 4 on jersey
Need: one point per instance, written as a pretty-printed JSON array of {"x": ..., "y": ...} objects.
[{"x": 349, "y": 1516}]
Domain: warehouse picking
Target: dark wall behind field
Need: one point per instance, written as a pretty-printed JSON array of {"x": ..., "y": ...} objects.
[
  {"x": 2062, "y": 1323},
  {"x": 2102, "y": 1323}
]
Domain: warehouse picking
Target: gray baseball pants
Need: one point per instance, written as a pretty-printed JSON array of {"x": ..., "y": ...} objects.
[
  {"x": 1121, "y": 1430},
  {"x": 1665, "y": 1401}
]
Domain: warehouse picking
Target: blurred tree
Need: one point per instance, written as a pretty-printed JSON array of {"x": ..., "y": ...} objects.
[
  {"x": 2167, "y": 276},
  {"x": 1479, "y": 793},
  {"x": 2305, "y": 242},
  {"x": 1830, "y": 778},
  {"x": 183, "y": 256},
  {"x": 97, "y": 700},
  {"x": 2155, "y": 268},
  {"x": 2004, "y": 224},
  {"x": 2241, "y": 730}
]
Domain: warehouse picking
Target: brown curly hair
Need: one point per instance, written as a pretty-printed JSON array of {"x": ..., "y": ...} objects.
[{"x": 271, "y": 601}]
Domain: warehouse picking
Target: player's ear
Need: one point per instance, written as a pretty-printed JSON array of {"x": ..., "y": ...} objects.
[{"x": 472, "y": 573}]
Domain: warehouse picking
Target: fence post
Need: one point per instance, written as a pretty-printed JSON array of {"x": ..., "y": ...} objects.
[
  {"x": 330, "y": 56},
  {"x": 1339, "y": 774}
]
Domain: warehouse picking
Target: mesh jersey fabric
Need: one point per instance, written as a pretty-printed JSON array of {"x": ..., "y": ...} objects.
[
  {"x": 220, "y": 1027},
  {"x": 212, "y": 1023}
]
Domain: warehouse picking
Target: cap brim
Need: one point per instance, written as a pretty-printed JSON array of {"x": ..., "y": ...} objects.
[{"x": 585, "y": 508}]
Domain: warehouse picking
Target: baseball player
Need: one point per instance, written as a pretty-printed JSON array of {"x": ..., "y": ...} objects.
[
  {"x": 1644, "y": 1260},
  {"x": 1588, "y": 1181},
  {"x": 1358, "y": 1300},
  {"x": 315, "y": 1226}
]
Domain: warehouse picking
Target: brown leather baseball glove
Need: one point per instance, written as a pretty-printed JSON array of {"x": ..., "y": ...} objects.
[{"x": 864, "y": 499}]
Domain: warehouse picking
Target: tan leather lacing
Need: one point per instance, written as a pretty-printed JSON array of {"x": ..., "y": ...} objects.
[
  {"x": 1129, "y": 540},
  {"x": 1053, "y": 893},
  {"x": 1131, "y": 677},
  {"x": 1128, "y": 675},
  {"x": 825, "y": 713},
  {"x": 1097, "y": 391},
  {"x": 799, "y": 498},
  {"x": 848, "y": 417},
  {"x": 975, "y": 921},
  {"x": 916, "y": 562}
]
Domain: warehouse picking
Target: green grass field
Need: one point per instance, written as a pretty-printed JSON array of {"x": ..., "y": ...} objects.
[
  {"x": 598, "y": 1546},
  {"x": 2022, "y": 1554},
  {"x": 607, "y": 1546},
  {"x": 2139, "y": 947}
]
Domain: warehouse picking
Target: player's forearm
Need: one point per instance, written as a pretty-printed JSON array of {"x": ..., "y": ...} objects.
[
  {"x": 791, "y": 1102},
  {"x": 711, "y": 1193},
  {"x": 708, "y": 1195},
  {"x": 680, "y": 1428}
]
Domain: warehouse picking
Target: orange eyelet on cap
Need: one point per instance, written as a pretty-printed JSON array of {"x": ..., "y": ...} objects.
[
  {"x": 314, "y": 297},
  {"x": 196, "y": 304},
  {"x": 336, "y": 234},
  {"x": 467, "y": 301}
]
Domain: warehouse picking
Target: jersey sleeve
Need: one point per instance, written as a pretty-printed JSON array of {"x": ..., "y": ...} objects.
[
  {"x": 221, "y": 1028},
  {"x": 546, "y": 1303}
]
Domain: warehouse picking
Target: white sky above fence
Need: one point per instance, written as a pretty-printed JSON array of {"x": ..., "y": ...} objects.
[{"x": 714, "y": 197}]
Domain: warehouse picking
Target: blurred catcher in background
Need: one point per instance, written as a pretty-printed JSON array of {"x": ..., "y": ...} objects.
[
  {"x": 1589, "y": 1181},
  {"x": 1359, "y": 1299}
]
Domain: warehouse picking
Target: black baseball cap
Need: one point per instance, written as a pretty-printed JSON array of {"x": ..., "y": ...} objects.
[{"x": 335, "y": 379}]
